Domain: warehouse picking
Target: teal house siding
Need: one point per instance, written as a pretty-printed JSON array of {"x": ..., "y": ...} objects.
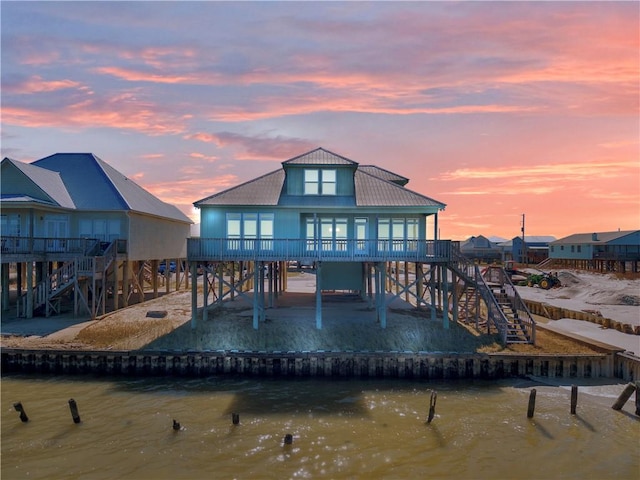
[{"x": 619, "y": 245}]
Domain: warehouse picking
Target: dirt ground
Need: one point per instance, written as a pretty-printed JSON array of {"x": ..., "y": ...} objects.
[{"x": 348, "y": 325}]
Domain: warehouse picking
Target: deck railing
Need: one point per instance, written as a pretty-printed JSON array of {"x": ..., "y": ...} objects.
[
  {"x": 49, "y": 246},
  {"x": 224, "y": 249}
]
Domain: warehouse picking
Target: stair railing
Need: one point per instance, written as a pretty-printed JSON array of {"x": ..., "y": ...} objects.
[{"x": 495, "y": 315}]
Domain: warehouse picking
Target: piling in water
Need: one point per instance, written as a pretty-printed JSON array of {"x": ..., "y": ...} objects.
[
  {"x": 432, "y": 406},
  {"x": 532, "y": 403},
  {"x": 74, "y": 411},
  {"x": 574, "y": 399},
  {"x": 176, "y": 425},
  {"x": 20, "y": 409},
  {"x": 288, "y": 439},
  {"x": 235, "y": 418},
  {"x": 624, "y": 396}
]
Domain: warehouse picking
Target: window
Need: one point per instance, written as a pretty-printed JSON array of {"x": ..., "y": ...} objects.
[
  {"x": 579, "y": 248},
  {"x": 333, "y": 234},
  {"x": 573, "y": 248},
  {"x": 361, "y": 234},
  {"x": 10, "y": 225},
  {"x": 398, "y": 234},
  {"x": 311, "y": 182},
  {"x": 320, "y": 182},
  {"x": 245, "y": 229}
]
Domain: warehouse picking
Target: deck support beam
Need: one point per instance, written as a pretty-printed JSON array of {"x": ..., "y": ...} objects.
[
  {"x": 194, "y": 294},
  {"x": 319, "y": 295}
]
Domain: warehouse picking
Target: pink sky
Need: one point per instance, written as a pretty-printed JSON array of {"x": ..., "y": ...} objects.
[{"x": 496, "y": 109}]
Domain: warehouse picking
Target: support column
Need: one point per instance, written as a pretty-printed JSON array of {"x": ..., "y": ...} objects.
[
  {"x": 319, "y": 295},
  {"x": 5, "y": 286},
  {"x": 220, "y": 282},
  {"x": 116, "y": 284},
  {"x": 382, "y": 306},
  {"x": 29, "y": 275},
  {"x": 154, "y": 276},
  {"x": 194, "y": 294},
  {"x": 256, "y": 298},
  {"x": 125, "y": 283},
  {"x": 445, "y": 295},
  {"x": 432, "y": 290},
  {"x": 205, "y": 291}
]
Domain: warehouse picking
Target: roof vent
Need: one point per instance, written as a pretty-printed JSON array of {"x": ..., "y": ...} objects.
[{"x": 594, "y": 237}]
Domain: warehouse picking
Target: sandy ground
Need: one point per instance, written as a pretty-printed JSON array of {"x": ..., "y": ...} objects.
[
  {"x": 608, "y": 294},
  {"x": 348, "y": 324}
]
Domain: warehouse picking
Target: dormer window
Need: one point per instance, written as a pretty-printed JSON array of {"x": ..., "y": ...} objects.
[{"x": 319, "y": 182}]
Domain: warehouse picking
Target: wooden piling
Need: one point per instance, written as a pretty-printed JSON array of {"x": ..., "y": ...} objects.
[
  {"x": 176, "y": 425},
  {"x": 288, "y": 439},
  {"x": 432, "y": 406},
  {"x": 20, "y": 409},
  {"x": 74, "y": 411},
  {"x": 532, "y": 403},
  {"x": 235, "y": 418},
  {"x": 574, "y": 399},
  {"x": 624, "y": 396}
]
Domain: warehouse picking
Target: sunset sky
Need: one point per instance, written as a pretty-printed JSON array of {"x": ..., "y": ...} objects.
[{"x": 495, "y": 109}]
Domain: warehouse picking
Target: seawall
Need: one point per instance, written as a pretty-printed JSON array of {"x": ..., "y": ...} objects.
[{"x": 423, "y": 365}]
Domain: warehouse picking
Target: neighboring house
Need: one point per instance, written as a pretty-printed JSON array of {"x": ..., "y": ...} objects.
[
  {"x": 602, "y": 251},
  {"x": 481, "y": 248},
  {"x": 85, "y": 227},
  {"x": 533, "y": 250},
  {"x": 324, "y": 209}
]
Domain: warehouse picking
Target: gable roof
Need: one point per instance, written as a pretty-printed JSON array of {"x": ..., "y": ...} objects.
[
  {"x": 370, "y": 190},
  {"x": 264, "y": 190},
  {"x": 544, "y": 239},
  {"x": 319, "y": 156},
  {"x": 48, "y": 182},
  {"x": 92, "y": 184},
  {"x": 384, "y": 174},
  {"x": 588, "y": 238}
]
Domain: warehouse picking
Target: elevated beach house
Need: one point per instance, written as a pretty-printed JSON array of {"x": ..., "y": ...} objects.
[
  {"x": 74, "y": 228},
  {"x": 617, "y": 251},
  {"x": 319, "y": 209}
]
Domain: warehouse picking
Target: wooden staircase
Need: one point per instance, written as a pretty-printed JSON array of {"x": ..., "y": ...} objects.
[
  {"x": 487, "y": 298},
  {"x": 85, "y": 271}
]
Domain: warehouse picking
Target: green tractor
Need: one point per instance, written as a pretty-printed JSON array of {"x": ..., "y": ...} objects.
[{"x": 543, "y": 280}]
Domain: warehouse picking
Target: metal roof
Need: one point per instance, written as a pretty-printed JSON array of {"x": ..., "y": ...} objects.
[
  {"x": 372, "y": 191},
  {"x": 50, "y": 183},
  {"x": 588, "y": 238},
  {"x": 319, "y": 156},
  {"x": 384, "y": 174},
  {"x": 92, "y": 184},
  {"x": 264, "y": 190},
  {"x": 530, "y": 239}
]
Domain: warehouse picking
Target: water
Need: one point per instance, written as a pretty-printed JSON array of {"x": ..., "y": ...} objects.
[{"x": 341, "y": 429}]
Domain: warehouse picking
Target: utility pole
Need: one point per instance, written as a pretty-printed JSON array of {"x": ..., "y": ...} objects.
[{"x": 523, "y": 254}]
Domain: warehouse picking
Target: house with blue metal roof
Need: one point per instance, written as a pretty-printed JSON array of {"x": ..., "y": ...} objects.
[
  {"x": 357, "y": 224},
  {"x": 74, "y": 218},
  {"x": 617, "y": 251}
]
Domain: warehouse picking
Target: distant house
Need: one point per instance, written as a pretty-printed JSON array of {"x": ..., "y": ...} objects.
[
  {"x": 481, "y": 248},
  {"x": 602, "y": 251},
  {"x": 533, "y": 250},
  {"x": 82, "y": 226}
]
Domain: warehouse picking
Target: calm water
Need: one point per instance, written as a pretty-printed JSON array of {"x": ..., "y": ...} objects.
[{"x": 341, "y": 429}]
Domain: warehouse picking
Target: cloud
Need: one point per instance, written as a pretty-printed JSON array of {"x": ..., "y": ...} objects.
[
  {"x": 261, "y": 147},
  {"x": 527, "y": 173}
]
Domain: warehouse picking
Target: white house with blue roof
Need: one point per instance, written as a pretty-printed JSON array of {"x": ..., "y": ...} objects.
[{"x": 82, "y": 225}]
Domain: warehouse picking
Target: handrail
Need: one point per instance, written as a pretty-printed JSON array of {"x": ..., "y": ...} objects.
[
  {"x": 526, "y": 319},
  {"x": 225, "y": 249},
  {"x": 13, "y": 245},
  {"x": 495, "y": 313}
]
